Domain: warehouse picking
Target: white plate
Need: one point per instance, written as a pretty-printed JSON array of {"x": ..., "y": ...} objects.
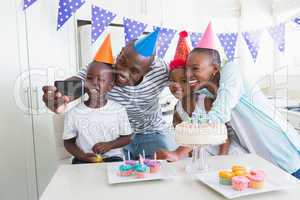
[
  {"x": 166, "y": 172},
  {"x": 211, "y": 179}
]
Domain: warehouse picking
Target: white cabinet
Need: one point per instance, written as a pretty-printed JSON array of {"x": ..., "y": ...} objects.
[
  {"x": 52, "y": 56},
  {"x": 33, "y": 54},
  {"x": 17, "y": 160}
]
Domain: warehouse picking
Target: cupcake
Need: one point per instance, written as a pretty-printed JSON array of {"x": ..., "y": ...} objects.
[
  {"x": 125, "y": 170},
  {"x": 140, "y": 170},
  {"x": 238, "y": 168},
  {"x": 240, "y": 183},
  {"x": 256, "y": 178},
  {"x": 147, "y": 161},
  {"x": 154, "y": 166},
  {"x": 131, "y": 162},
  {"x": 225, "y": 177},
  {"x": 239, "y": 173}
]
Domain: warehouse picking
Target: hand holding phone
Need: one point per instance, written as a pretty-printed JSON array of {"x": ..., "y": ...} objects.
[
  {"x": 57, "y": 97},
  {"x": 54, "y": 100}
]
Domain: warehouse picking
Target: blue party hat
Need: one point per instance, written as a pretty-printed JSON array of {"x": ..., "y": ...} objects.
[{"x": 146, "y": 46}]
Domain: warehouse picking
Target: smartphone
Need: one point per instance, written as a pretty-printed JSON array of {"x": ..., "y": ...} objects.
[{"x": 71, "y": 88}]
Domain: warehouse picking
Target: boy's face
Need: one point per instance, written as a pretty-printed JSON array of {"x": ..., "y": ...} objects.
[
  {"x": 200, "y": 69},
  {"x": 99, "y": 79},
  {"x": 131, "y": 67},
  {"x": 179, "y": 86}
]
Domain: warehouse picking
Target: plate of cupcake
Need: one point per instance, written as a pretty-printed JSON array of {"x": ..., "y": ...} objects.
[
  {"x": 139, "y": 170},
  {"x": 239, "y": 181}
]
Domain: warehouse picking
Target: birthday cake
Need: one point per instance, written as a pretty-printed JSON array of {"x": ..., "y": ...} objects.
[{"x": 200, "y": 134}]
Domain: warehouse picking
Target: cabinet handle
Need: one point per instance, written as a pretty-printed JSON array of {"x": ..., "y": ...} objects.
[
  {"x": 26, "y": 91},
  {"x": 35, "y": 90}
]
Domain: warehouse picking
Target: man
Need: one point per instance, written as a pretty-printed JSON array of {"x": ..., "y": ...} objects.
[{"x": 140, "y": 79}]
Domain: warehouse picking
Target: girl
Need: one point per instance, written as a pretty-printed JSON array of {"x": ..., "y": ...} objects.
[{"x": 189, "y": 104}]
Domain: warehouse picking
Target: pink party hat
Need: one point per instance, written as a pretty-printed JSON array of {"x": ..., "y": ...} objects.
[{"x": 208, "y": 39}]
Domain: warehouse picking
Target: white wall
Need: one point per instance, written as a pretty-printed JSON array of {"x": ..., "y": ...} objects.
[{"x": 256, "y": 14}]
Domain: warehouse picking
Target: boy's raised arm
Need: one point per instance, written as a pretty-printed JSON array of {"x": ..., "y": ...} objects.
[{"x": 54, "y": 100}]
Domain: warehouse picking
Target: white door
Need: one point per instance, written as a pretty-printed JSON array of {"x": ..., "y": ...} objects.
[
  {"x": 52, "y": 56},
  {"x": 17, "y": 162}
]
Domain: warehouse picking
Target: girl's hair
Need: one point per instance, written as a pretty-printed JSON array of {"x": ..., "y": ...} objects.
[{"x": 212, "y": 53}]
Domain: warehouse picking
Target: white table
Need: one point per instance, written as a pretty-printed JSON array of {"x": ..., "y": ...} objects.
[{"x": 89, "y": 182}]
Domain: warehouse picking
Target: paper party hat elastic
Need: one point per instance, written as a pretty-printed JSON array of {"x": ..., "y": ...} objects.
[
  {"x": 146, "y": 46},
  {"x": 104, "y": 53}
]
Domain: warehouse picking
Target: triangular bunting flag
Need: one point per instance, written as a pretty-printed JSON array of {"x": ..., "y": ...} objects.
[
  {"x": 101, "y": 18},
  {"x": 28, "y": 3},
  {"x": 297, "y": 20},
  {"x": 277, "y": 32},
  {"x": 252, "y": 39},
  {"x": 66, "y": 9},
  {"x": 164, "y": 40},
  {"x": 133, "y": 29},
  {"x": 195, "y": 37},
  {"x": 228, "y": 42}
]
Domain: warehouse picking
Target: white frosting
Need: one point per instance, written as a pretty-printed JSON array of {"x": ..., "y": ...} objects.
[{"x": 200, "y": 134}]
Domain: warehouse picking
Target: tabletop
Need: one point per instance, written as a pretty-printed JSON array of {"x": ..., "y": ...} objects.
[{"x": 89, "y": 181}]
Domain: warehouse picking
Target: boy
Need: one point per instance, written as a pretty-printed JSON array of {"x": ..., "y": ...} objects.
[{"x": 98, "y": 125}]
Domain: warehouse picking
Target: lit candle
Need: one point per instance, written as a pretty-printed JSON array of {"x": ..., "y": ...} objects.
[
  {"x": 144, "y": 156},
  {"x": 128, "y": 155},
  {"x": 155, "y": 156},
  {"x": 141, "y": 160},
  {"x": 124, "y": 159}
]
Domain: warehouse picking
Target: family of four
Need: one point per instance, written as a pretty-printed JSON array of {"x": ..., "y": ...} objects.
[{"x": 122, "y": 113}]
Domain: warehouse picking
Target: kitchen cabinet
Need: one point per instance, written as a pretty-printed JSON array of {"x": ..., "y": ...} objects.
[{"x": 34, "y": 55}]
